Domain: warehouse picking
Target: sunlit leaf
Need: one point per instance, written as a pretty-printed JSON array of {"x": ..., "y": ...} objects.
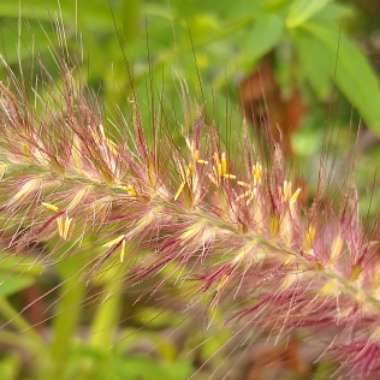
[
  {"x": 130, "y": 367},
  {"x": 10, "y": 367},
  {"x": 302, "y": 10},
  {"x": 315, "y": 63},
  {"x": 75, "y": 13},
  {"x": 20, "y": 264},
  {"x": 17, "y": 273},
  {"x": 145, "y": 368},
  {"x": 157, "y": 318},
  {"x": 335, "y": 12},
  {"x": 265, "y": 34},
  {"x": 352, "y": 74},
  {"x": 11, "y": 283}
]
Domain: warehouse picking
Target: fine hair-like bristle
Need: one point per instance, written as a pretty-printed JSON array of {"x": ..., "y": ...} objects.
[{"x": 237, "y": 224}]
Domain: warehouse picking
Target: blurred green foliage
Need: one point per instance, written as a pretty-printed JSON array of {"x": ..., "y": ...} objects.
[
  {"x": 224, "y": 42},
  {"x": 203, "y": 48}
]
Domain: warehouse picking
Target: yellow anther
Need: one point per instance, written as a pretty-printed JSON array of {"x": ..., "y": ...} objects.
[
  {"x": 67, "y": 227},
  {"x": 101, "y": 130},
  {"x": 122, "y": 251},
  {"x": 114, "y": 242},
  {"x": 50, "y": 206},
  {"x": 224, "y": 164},
  {"x": 189, "y": 170},
  {"x": 60, "y": 226},
  {"x": 179, "y": 191},
  {"x": 222, "y": 282},
  {"x": 131, "y": 191},
  {"x": 243, "y": 184},
  {"x": 288, "y": 195},
  {"x": 274, "y": 226},
  {"x": 197, "y": 158},
  {"x": 64, "y": 225},
  {"x": 257, "y": 173},
  {"x": 219, "y": 170},
  {"x": 336, "y": 248},
  {"x": 332, "y": 287},
  {"x": 294, "y": 197},
  {"x": 221, "y": 167},
  {"x": 25, "y": 149},
  {"x": 355, "y": 272},
  {"x": 309, "y": 238}
]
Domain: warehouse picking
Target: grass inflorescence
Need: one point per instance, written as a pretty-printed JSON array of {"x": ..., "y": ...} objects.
[{"x": 236, "y": 225}]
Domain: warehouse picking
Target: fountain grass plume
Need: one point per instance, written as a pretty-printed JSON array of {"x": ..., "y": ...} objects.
[{"x": 235, "y": 223}]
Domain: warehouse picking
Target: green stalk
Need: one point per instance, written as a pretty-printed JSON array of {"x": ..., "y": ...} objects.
[
  {"x": 64, "y": 326},
  {"x": 16, "y": 340},
  {"x": 26, "y": 338},
  {"x": 18, "y": 322},
  {"x": 107, "y": 316},
  {"x": 108, "y": 313}
]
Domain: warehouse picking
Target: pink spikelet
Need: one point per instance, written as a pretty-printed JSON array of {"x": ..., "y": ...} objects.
[{"x": 237, "y": 225}]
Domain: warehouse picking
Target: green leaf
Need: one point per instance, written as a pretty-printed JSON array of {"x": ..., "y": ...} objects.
[
  {"x": 20, "y": 264},
  {"x": 265, "y": 34},
  {"x": 145, "y": 368},
  {"x": 10, "y": 366},
  {"x": 127, "y": 367},
  {"x": 315, "y": 63},
  {"x": 25, "y": 42},
  {"x": 334, "y": 13},
  {"x": 352, "y": 74},
  {"x": 302, "y": 10},
  {"x": 263, "y": 37},
  {"x": 97, "y": 16},
  {"x": 11, "y": 283},
  {"x": 189, "y": 8},
  {"x": 33, "y": 9},
  {"x": 17, "y": 273},
  {"x": 157, "y": 318},
  {"x": 131, "y": 10}
]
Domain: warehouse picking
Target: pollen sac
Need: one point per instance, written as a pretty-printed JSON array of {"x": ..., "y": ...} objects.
[{"x": 65, "y": 227}]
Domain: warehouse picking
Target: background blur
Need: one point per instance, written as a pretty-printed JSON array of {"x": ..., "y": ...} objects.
[{"x": 306, "y": 69}]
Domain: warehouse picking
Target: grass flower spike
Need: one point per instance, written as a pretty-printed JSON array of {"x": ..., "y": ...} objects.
[{"x": 237, "y": 224}]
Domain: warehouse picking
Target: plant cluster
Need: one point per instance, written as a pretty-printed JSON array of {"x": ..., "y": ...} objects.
[{"x": 233, "y": 229}]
